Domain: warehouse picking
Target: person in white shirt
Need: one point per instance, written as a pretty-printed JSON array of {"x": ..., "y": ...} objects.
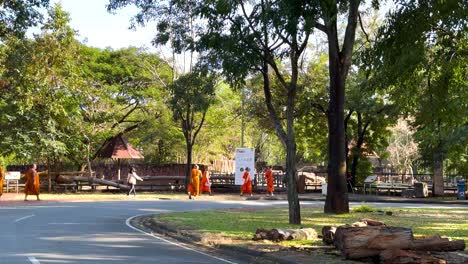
[{"x": 132, "y": 179}]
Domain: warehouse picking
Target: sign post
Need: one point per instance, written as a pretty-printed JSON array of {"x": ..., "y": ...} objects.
[
  {"x": 12, "y": 176},
  {"x": 245, "y": 157}
]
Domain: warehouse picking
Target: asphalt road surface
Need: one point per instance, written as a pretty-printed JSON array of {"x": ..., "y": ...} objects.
[{"x": 98, "y": 232}]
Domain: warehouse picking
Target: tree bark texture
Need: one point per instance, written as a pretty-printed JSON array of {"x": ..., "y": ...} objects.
[
  {"x": 399, "y": 256},
  {"x": 339, "y": 62},
  {"x": 438, "y": 180},
  {"x": 280, "y": 234},
  {"x": 369, "y": 241},
  {"x": 328, "y": 234},
  {"x": 289, "y": 142},
  {"x": 188, "y": 167}
]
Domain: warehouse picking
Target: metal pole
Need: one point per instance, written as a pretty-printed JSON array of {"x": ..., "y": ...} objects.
[
  {"x": 118, "y": 170},
  {"x": 243, "y": 117}
]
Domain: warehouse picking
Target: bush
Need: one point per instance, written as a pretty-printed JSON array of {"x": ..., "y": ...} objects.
[{"x": 364, "y": 209}]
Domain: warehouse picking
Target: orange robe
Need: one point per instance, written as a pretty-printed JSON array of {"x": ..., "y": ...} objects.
[
  {"x": 270, "y": 181},
  {"x": 2, "y": 178},
  {"x": 194, "y": 187},
  {"x": 205, "y": 182},
  {"x": 247, "y": 186},
  {"x": 32, "y": 186}
]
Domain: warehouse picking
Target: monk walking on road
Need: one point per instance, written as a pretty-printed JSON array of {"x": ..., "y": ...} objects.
[
  {"x": 270, "y": 181},
  {"x": 205, "y": 182},
  {"x": 194, "y": 188},
  {"x": 32, "y": 186},
  {"x": 247, "y": 186}
]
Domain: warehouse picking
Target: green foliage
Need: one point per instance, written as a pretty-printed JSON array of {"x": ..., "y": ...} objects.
[
  {"x": 364, "y": 208},
  {"x": 19, "y": 15},
  {"x": 62, "y": 96},
  {"x": 126, "y": 91},
  {"x": 425, "y": 68},
  {"x": 43, "y": 84},
  {"x": 191, "y": 94}
]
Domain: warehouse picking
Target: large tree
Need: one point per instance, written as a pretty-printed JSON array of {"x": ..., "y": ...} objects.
[
  {"x": 126, "y": 90},
  {"x": 191, "y": 96},
  {"x": 42, "y": 84},
  {"x": 426, "y": 66},
  {"x": 244, "y": 38}
]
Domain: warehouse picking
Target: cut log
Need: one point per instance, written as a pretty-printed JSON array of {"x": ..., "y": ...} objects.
[
  {"x": 456, "y": 257},
  {"x": 362, "y": 242},
  {"x": 372, "y": 222},
  {"x": 278, "y": 234},
  {"x": 101, "y": 181},
  {"x": 436, "y": 243},
  {"x": 399, "y": 256},
  {"x": 328, "y": 234},
  {"x": 265, "y": 234},
  {"x": 359, "y": 224},
  {"x": 72, "y": 179}
]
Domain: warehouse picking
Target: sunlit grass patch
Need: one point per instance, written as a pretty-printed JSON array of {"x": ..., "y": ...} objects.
[{"x": 241, "y": 224}]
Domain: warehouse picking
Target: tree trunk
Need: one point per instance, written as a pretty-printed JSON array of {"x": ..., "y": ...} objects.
[
  {"x": 293, "y": 198},
  {"x": 337, "y": 193},
  {"x": 100, "y": 181},
  {"x": 438, "y": 180},
  {"x": 361, "y": 131},
  {"x": 188, "y": 167}
]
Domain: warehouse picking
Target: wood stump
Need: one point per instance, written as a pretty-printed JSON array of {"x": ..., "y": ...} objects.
[
  {"x": 278, "y": 234},
  {"x": 369, "y": 241},
  {"x": 392, "y": 244},
  {"x": 328, "y": 234}
]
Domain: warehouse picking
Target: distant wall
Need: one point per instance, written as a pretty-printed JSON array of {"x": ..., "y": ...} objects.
[{"x": 108, "y": 171}]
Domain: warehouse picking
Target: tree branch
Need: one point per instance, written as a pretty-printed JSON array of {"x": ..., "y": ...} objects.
[
  {"x": 126, "y": 115},
  {"x": 350, "y": 33},
  {"x": 199, "y": 127},
  {"x": 362, "y": 27},
  {"x": 321, "y": 27},
  {"x": 271, "y": 110}
]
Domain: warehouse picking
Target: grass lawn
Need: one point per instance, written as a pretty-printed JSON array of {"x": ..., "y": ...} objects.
[{"x": 242, "y": 223}]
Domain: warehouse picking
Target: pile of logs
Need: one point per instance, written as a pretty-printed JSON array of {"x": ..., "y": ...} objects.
[
  {"x": 373, "y": 239},
  {"x": 278, "y": 234}
]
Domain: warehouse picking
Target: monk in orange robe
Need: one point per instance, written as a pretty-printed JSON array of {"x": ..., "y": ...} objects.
[
  {"x": 270, "y": 181},
  {"x": 2, "y": 178},
  {"x": 32, "y": 186},
  {"x": 194, "y": 188},
  {"x": 205, "y": 182},
  {"x": 247, "y": 186}
]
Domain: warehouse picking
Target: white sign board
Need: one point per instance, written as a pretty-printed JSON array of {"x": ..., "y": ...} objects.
[
  {"x": 12, "y": 175},
  {"x": 370, "y": 179},
  {"x": 245, "y": 158}
]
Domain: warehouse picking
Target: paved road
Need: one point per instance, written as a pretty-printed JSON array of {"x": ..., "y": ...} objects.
[{"x": 96, "y": 232}]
